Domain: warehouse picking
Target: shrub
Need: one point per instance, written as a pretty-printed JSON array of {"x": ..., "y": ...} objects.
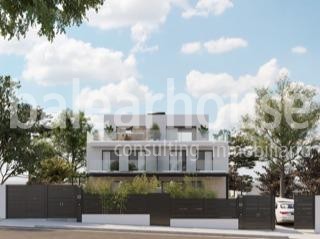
[{"x": 186, "y": 189}]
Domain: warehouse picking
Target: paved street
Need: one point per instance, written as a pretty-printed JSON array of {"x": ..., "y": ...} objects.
[{"x": 70, "y": 234}]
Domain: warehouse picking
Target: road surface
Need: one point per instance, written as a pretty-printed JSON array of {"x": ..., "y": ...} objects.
[{"x": 82, "y": 234}]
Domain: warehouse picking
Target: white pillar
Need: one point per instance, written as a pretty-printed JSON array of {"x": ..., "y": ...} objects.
[
  {"x": 317, "y": 214},
  {"x": 2, "y": 201}
]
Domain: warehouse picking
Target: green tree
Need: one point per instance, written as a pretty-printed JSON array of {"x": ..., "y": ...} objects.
[
  {"x": 19, "y": 122},
  {"x": 70, "y": 139},
  {"x": 53, "y": 170},
  {"x": 308, "y": 170},
  {"x": 285, "y": 117},
  {"x": 242, "y": 155},
  {"x": 52, "y": 17},
  {"x": 270, "y": 180}
]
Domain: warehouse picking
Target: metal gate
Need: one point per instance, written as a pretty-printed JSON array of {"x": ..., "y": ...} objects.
[
  {"x": 304, "y": 217},
  {"x": 159, "y": 208},
  {"x": 43, "y": 201},
  {"x": 257, "y": 212}
]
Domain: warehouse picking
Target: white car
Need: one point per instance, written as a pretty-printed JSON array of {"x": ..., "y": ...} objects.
[{"x": 284, "y": 210}]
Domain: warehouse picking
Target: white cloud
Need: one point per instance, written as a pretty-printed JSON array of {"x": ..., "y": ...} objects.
[
  {"x": 299, "y": 50},
  {"x": 224, "y": 84},
  {"x": 65, "y": 59},
  {"x": 112, "y": 96},
  {"x": 141, "y": 16},
  {"x": 191, "y": 47},
  {"x": 206, "y": 7},
  {"x": 223, "y": 45},
  {"x": 229, "y": 115}
]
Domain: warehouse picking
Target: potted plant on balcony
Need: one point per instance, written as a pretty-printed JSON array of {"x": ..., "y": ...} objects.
[
  {"x": 203, "y": 130},
  {"x": 155, "y": 133},
  {"x": 108, "y": 129}
]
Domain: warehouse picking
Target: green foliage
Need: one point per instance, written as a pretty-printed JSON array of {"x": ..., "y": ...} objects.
[
  {"x": 269, "y": 180},
  {"x": 114, "y": 166},
  {"x": 132, "y": 167},
  {"x": 154, "y": 132},
  {"x": 203, "y": 130},
  {"x": 108, "y": 129},
  {"x": 308, "y": 170},
  {"x": 142, "y": 185},
  {"x": 116, "y": 199},
  {"x": 52, "y": 17},
  {"x": 70, "y": 138},
  {"x": 186, "y": 189},
  {"x": 16, "y": 145},
  {"x": 242, "y": 155},
  {"x": 50, "y": 171},
  {"x": 278, "y": 129}
]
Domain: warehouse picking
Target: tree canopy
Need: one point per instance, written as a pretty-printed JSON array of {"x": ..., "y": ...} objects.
[
  {"x": 51, "y": 17},
  {"x": 285, "y": 118},
  {"x": 16, "y": 148}
]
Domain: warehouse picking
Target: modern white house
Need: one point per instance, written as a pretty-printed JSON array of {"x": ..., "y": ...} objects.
[{"x": 169, "y": 147}]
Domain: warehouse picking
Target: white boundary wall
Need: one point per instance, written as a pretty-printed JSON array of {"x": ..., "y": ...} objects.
[
  {"x": 2, "y": 201},
  {"x": 317, "y": 214},
  {"x": 206, "y": 223},
  {"x": 117, "y": 219}
]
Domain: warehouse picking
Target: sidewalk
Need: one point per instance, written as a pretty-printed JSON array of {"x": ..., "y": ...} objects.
[{"x": 280, "y": 232}]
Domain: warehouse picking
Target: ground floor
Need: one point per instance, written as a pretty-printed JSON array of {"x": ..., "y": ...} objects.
[{"x": 217, "y": 183}]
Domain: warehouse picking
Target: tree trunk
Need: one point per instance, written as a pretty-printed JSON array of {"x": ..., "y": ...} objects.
[{"x": 282, "y": 185}]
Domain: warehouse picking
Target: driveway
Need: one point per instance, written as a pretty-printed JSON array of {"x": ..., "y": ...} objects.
[{"x": 82, "y": 234}]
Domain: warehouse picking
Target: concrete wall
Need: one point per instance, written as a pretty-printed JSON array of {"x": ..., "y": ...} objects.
[
  {"x": 2, "y": 201},
  {"x": 117, "y": 219},
  {"x": 317, "y": 214},
  {"x": 205, "y": 223}
]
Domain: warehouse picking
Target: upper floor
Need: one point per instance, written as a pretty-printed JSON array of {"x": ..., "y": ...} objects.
[{"x": 153, "y": 127}]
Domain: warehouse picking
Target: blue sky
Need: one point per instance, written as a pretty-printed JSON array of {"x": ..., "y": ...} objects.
[{"x": 143, "y": 40}]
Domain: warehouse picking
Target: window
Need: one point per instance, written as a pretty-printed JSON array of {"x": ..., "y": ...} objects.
[
  {"x": 184, "y": 136},
  {"x": 201, "y": 160},
  {"x": 133, "y": 161},
  {"x": 137, "y": 161},
  {"x": 178, "y": 161},
  {"x": 110, "y": 160},
  {"x": 114, "y": 161}
]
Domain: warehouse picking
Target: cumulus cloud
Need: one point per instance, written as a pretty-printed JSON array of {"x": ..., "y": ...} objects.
[
  {"x": 223, "y": 45},
  {"x": 141, "y": 16},
  {"x": 229, "y": 115},
  {"x": 113, "y": 96},
  {"x": 224, "y": 84},
  {"x": 206, "y": 7},
  {"x": 299, "y": 50},
  {"x": 191, "y": 47},
  {"x": 64, "y": 59}
]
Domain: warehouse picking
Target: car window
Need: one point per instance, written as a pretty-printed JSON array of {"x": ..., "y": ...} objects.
[{"x": 287, "y": 206}]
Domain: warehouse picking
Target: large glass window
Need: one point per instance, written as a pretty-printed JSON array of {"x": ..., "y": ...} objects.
[
  {"x": 114, "y": 161},
  {"x": 133, "y": 161},
  {"x": 201, "y": 160},
  {"x": 178, "y": 161},
  {"x": 137, "y": 161}
]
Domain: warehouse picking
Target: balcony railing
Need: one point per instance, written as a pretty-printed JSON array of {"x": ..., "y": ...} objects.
[{"x": 146, "y": 135}]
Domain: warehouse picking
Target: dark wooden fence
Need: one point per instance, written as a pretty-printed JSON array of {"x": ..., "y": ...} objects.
[
  {"x": 161, "y": 207},
  {"x": 304, "y": 211}
]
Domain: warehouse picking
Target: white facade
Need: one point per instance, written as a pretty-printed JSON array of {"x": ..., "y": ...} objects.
[{"x": 180, "y": 146}]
